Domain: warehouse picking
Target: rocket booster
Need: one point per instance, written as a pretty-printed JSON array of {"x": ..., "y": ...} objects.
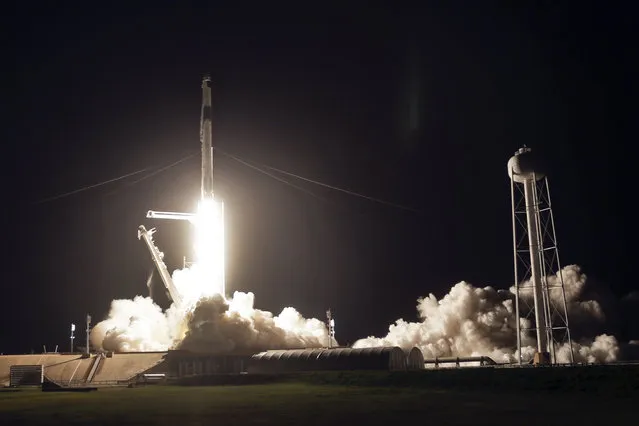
[{"x": 206, "y": 139}]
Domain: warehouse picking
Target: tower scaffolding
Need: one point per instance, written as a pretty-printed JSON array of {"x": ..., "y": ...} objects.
[{"x": 540, "y": 298}]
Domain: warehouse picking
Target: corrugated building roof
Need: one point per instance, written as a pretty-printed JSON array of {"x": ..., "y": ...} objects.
[
  {"x": 380, "y": 358},
  {"x": 415, "y": 359}
]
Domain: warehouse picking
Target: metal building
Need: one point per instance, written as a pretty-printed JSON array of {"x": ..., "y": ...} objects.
[
  {"x": 185, "y": 363},
  {"x": 282, "y": 361},
  {"x": 415, "y": 359}
]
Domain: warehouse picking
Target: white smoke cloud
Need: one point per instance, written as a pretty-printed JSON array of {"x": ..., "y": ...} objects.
[
  {"x": 208, "y": 323},
  {"x": 133, "y": 325},
  {"x": 216, "y": 325},
  {"x": 471, "y": 321},
  {"x": 604, "y": 348},
  {"x": 468, "y": 321},
  {"x": 582, "y": 312}
]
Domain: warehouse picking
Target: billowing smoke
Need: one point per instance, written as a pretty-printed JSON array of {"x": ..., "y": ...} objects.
[
  {"x": 206, "y": 323},
  {"x": 468, "y": 321},
  {"x": 472, "y": 321},
  {"x": 216, "y": 325},
  {"x": 134, "y": 325}
]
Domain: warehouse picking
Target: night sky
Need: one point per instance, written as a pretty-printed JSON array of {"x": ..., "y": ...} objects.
[{"x": 419, "y": 107}]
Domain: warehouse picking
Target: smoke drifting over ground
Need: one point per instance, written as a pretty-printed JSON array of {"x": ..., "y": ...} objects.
[
  {"x": 472, "y": 321},
  {"x": 468, "y": 321},
  {"x": 133, "y": 325},
  {"x": 206, "y": 323}
]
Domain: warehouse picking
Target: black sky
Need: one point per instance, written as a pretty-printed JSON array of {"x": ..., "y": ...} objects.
[{"x": 327, "y": 94}]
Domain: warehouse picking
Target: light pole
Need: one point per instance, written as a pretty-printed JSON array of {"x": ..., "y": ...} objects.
[
  {"x": 72, "y": 336},
  {"x": 331, "y": 328},
  {"x": 88, "y": 331}
]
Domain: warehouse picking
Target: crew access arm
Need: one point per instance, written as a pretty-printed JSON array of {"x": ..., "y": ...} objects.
[{"x": 157, "y": 257}]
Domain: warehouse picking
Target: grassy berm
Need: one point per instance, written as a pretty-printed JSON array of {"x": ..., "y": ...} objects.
[{"x": 582, "y": 396}]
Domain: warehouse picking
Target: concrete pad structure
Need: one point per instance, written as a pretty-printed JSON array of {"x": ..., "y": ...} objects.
[{"x": 80, "y": 369}]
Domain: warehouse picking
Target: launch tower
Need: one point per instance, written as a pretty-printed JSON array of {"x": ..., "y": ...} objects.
[{"x": 540, "y": 299}]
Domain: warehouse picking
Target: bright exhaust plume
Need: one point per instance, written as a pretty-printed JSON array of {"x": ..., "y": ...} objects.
[{"x": 209, "y": 252}]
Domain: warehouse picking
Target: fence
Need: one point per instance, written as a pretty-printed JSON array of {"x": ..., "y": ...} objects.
[{"x": 95, "y": 383}]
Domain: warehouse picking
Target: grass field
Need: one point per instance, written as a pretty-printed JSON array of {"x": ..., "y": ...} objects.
[{"x": 366, "y": 399}]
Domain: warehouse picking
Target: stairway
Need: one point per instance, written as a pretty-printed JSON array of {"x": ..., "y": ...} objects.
[{"x": 94, "y": 367}]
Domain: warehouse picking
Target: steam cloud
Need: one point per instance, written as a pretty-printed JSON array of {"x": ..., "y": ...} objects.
[
  {"x": 207, "y": 324},
  {"x": 472, "y": 321},
  {"x": 468, "y": 321},
  {"x": 216, "y": 325}
]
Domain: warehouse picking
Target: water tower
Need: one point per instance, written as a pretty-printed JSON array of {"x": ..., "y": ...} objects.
[{"x": 540, "y": 298}]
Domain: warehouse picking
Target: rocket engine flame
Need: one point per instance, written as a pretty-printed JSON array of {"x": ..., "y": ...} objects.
[{"x": 209, "y": 251}]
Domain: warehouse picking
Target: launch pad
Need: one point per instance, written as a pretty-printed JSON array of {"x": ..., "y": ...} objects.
[{"x": 125, "y": 368}]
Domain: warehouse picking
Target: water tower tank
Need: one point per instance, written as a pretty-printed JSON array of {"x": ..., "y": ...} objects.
[{"x": 525, "y": 166}]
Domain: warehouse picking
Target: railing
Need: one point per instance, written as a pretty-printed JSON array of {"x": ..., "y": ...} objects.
[
  {"x": 94, "y": 368},
  {"x": 95, "y": 383},
  {"x": 482, "y": 360},
  {"x": 565, "y": 365}
]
